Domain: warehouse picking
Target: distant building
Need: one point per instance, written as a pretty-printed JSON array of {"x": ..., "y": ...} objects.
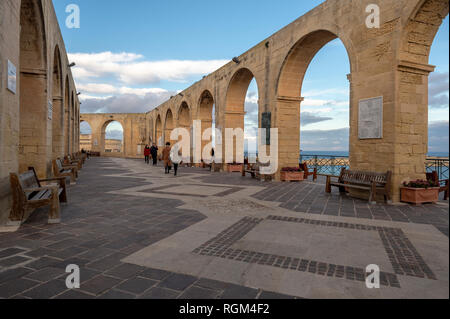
[{"x": 111, "y": 145}]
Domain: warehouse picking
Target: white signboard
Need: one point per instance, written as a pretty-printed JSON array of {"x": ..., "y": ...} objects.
[
  {"x": 160, "y": 141},
  {"x": 12, "y": 77},
  {"x": 95, "y": 142},
  {"x": 50, "y": 110},
  {"x": 139, "y": 149},
  {"x": 370, "y": 123}
]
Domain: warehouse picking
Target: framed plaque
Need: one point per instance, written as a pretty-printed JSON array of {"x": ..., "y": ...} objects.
[
  {"x": 12, "y": 77},
  {"x": 370, "y": 120}
]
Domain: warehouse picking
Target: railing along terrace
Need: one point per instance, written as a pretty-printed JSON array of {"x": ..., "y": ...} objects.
[
  {"x": 438, "y": 164},
  {"x": 332, "y": 164},
  {"x": 326, "y": 164}
]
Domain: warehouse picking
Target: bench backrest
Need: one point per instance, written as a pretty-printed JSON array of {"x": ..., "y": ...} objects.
[
  {"x": 59, "y": 165},
  {"x": 24, "y": 181},
  {"x": 366, "y": 178}
]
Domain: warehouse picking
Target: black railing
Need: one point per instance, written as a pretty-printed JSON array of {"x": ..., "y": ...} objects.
[
  {"x": 440, "y": 165},
  {"x": 326, "y": 164},
  {"x": 332, "y": 164}
]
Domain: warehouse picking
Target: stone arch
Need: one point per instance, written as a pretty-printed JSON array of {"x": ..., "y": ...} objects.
[
  {"x": 184, "y": 116},
  {"x": 169, "y": 125},
  {"x": 103, "y": 136},
  {"x": 84, "y": 139},
  {"x": 421, "y": 29},
  {"x": 206, "y": 114},
  {"x": 151, "y": 129},
  {"x": 297, "y": 61},
  {"x": 289, "y": 92},
  {"x": 67, "y": 116},
  {"x": 58, "y": 114},
  {"x": 33, "y": 87},
  {"x": 235, "y": 106},
  {"x": 72, "y": 122},
  {"x": 159, "y": 131}
]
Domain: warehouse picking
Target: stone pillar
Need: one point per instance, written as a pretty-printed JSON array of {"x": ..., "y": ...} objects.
[{"x": 287, "y": 120}]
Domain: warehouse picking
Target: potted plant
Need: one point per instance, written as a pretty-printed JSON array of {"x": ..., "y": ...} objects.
[
  {"x": 235, "y": 168},
  {"x": 292, "y": 174},
  {"x": 419, "y": 192}
]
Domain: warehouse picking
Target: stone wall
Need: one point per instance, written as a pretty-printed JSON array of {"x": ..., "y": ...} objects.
[
  {"x": 389, "y": 62},
  {"x": 30, "y": 38}
]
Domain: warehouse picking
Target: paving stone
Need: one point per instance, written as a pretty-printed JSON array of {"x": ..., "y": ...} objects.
[
  {"x": 115, "y": 294},
  {"x": 15, "y": 287},
  {"x": 199, "y": 293},
  {"x": 239, "y": 292},
  {"x": 13, "y": 274},
  {"x": 137, "y": 285},
  {"x": 156, "y": 274},
  {"x": 106, "y": 263},
  {"x": 177, "y": 282},
  {"x": 43, "y": 262},
  {"x": 74, "y": 294},
  {"x": 12, "y": 261},
  {"x": 160, "y": 293},
  {"x": 273, "y": 295},
  {"x": 46, "y": 290},
  {"x": 45, "y": 274},
  {"x": 100, "y": 284},
  {"x": 125, "y": 271},
  {"x": 10, "y": 252}
]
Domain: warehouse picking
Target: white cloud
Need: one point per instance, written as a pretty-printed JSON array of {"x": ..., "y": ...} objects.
[
  {"x": 101, "y": 88},
  {"x": 130, "y": 68}
]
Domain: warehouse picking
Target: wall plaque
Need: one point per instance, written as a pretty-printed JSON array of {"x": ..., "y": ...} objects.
[
  {"x": 12, "y": 77},
  {"x": 370, "y": 122}
]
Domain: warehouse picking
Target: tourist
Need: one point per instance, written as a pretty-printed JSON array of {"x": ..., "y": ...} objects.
[
  {"x": 147, "y": 154},
  {"x": 154, "y": 153},
  {"x": 176, "y": 160},
  {"x": 166, "y": 158}
]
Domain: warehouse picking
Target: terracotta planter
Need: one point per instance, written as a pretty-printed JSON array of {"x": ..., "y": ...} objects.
[
  {"x": 292, "y": 176},
  {"x": 419, "y": 195},
  {"x": 235, "y": 168}
]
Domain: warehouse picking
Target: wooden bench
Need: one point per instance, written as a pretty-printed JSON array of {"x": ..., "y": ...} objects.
[
  {"x": 70, "y": 160},
  {"x": 255, "y": 171},
  {"x": 249, "y": 169},
  {"x": 369, "y": 181},
  {"x": 442, "y": 184},
  {"x": 304, "y": 168},
  {"x": 29, "y": 193},
  {"x": 61, "y": 170}
]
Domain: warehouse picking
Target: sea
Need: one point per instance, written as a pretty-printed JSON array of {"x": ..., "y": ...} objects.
[{"x": 335, "y": 168}]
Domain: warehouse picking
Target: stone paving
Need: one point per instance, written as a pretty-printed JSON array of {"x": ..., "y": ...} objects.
[{"x": 138, "y": 233}]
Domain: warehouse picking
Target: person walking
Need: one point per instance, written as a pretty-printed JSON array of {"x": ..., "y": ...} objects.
[
  {"x": 147, "y": 154},
  {"x": 154, "y": 153},
  {"x": 166, "y": 158},
  {"x": 175, "y": 156}
]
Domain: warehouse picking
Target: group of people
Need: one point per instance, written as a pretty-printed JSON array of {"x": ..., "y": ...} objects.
[
  {"x": 166, "y": 156},
  {"x": 151, "y": 152}
]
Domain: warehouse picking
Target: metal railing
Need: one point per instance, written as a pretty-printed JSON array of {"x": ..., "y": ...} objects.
[
  {"x": 326, "y": 164},
  {"x": 332, "y": 164},
  {"x": 440, "y": 165}
]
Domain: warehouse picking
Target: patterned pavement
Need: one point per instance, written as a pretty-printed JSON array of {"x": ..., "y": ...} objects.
[{"x": 116, "y": 210}]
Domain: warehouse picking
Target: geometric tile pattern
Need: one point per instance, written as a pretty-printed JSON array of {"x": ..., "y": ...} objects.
[{"x": 402, "y": 254}]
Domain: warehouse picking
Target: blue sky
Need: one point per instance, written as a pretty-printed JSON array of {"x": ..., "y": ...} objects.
[{"x": 132, "y": 55}]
